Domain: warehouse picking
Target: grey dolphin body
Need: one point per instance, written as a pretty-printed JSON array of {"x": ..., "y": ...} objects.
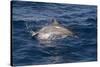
[{"x": 52, "y": 32}]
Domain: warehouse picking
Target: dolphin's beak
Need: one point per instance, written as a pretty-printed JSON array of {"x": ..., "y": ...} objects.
[{"x": 34, "y": 33}]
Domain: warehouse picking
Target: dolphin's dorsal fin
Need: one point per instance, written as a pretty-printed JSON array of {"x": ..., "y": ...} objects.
[{"x": 55, "y": 22}]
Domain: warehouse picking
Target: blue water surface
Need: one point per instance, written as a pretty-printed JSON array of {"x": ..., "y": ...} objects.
[{"x": 81, "y": 19}]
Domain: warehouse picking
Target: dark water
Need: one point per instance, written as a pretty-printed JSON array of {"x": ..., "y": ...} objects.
[{"x": 81, "y": 19}]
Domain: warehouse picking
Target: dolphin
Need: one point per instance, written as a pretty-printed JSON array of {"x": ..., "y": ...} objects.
[{"x": 52, "y": 32}]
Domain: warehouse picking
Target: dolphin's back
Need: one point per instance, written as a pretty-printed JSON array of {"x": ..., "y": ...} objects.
[{"x": 53, "y": 32}]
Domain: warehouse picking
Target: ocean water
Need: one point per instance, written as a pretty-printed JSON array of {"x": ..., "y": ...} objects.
[{"x": 27, "y": 50}]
